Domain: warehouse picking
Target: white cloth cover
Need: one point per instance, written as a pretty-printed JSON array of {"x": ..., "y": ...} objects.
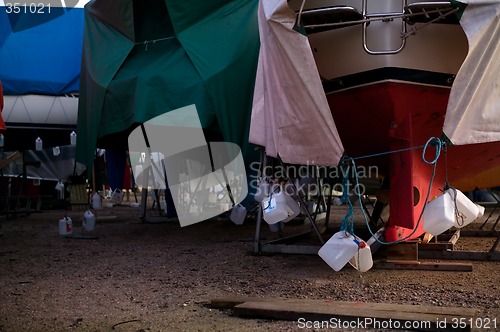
[
  {"x": 290, "y": 116},
  {"x": 473, "y": 113}
]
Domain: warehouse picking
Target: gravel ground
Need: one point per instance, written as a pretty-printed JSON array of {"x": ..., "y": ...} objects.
[{"x": 160, "y": 277}]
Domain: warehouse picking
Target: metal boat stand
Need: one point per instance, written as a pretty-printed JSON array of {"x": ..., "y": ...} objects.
[
  {"x": 285, "y": 245},
  {"x": 18, "y": 203},
  {"x": 147, "y": 175},
  {"x": 447, "y": 252},
  {"x": 407, "y": 255},
  {"x": 442, "y": 247}
]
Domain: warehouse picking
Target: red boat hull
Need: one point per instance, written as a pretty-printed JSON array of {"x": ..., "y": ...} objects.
[{"x": 391, "y": 115}]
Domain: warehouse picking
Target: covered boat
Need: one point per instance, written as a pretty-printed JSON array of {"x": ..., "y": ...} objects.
[
  {"x": 395, "y": 74},
  {"x": 146, "y": 58},
  {"x": 40, "y": 58}
]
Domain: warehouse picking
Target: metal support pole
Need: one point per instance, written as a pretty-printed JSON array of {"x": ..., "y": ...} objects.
[
  {"x": 329, "y": 205},
  {"x": 256, "y": 242},
  {"x": 306, "y": 210}
]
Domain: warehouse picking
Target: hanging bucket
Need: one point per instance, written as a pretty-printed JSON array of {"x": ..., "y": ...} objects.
[
  {"x": 65, "y": 226},
  {"x": 338, "y": 250}
]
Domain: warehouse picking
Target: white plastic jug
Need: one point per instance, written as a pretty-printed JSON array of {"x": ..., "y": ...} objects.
[
  {"x": 117, "y": 196},
  {"x": 89, "y": 221},
  {"x": 338, "y": 250},
  {"x": 439, "y": 214},
  {"x": 362, "y": 259},
  {"x": 72, "y": 138},
  {"x": 96, "y": 201},
  {"x": 293, "y": 207},
  {"x": 276, "y": 208},
  {"x": 38, "y": 144},
  {"x": 238, "y": 214},
  {"x": 481, "y": 210},
  {"x": 60, "y": 189},
  {"x": 65, "y": 226},
  {"x": 468, "y": 211}
]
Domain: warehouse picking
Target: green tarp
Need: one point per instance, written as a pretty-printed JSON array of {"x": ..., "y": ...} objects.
[{"x": 144, "y": 58}]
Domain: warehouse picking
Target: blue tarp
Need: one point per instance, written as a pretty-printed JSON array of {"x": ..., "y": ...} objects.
[{"x": 40, "y": 53}]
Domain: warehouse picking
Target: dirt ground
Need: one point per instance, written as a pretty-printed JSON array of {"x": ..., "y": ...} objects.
[{"x": 160, "y": 277}]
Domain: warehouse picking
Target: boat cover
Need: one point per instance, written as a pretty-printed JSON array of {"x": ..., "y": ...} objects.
[
  {"x": 473, "y": 113},
  {"x": 40, "y": 46},
  {"x": 290, "y": 116},
  {"x": 40, "y": 59},
  {"x": 145, "y": 58},
  {"x": 2, "y": 123}
]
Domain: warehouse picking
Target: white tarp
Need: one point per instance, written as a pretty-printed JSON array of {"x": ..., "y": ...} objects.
[
  {"x": 473, "y": 114},
  {"x": 290, "y": 116},
  {"x": 38, "y": 111}
]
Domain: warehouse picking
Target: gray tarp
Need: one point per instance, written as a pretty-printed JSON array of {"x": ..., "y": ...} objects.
[
  {"x": 290, "y": 116},
  {"x": 473, "y": 114}
]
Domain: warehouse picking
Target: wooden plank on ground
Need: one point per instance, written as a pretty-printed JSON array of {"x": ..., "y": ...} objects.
[
  {"x": 81, "y": 236},
  {"x": 461, "y": 255},
  {"x": 448, "y": 244},
  {"x": 403, "y": 251},
  {"x": 419, "y": 265},
  {"x": 367, "y": 313},
  {"x": 435, "y": 246},
  {"x": 106, "y": 218},
  {"x": 232, "y": 301}
]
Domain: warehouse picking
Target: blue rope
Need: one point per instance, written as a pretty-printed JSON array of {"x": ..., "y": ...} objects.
[
  {"x": 432, "y": 141},
  {"x": 389, "y": 152},
  {"x": 438, "y": 144},
  {"x": 348, "y": 219},
  {"x": 345, "y": 185}
]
